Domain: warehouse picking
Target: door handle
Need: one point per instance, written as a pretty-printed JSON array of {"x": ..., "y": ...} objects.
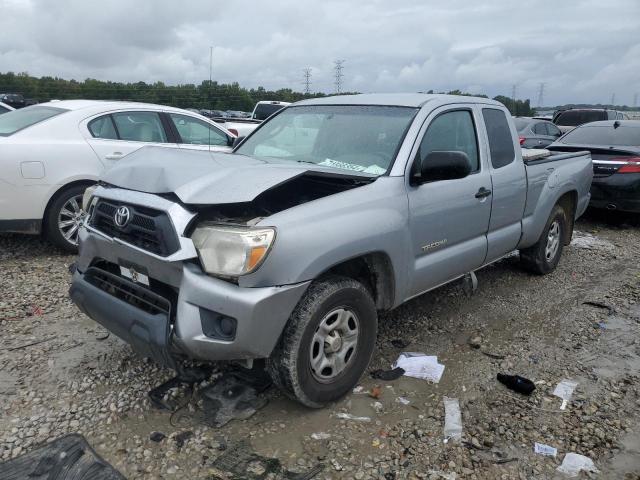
[
  {"x": 114, "y": 156},
  {"x": 483, "y": 192}
]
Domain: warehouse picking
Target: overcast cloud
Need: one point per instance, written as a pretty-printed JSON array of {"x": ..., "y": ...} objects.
[{"x": 583, "y": 50}]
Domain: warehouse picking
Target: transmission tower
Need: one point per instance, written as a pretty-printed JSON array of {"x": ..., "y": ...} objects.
[
  {"x": 307, "y": 80},
  {"x": 513, "y": 100},
  {"x": 613, "y": 99},
  {"x": 635, "y": 100},
  {"x": 337, "y": 82},
  {"x": 541, "y": 95}
]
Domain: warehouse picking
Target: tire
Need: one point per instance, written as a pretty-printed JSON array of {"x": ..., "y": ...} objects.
[
  {"x": 543, "y": 257},
  {"x": 332, "y": 308},
  {"x": 59, "y": 211}
]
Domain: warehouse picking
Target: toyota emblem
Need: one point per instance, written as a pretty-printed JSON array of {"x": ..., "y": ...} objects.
[{"x": 122, "y": 217}]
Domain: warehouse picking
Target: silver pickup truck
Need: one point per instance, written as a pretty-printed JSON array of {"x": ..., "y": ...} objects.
[{"x": 330, "y": 212}]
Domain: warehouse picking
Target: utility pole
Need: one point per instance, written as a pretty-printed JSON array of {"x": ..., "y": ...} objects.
[
  {"x": 513, "y": 100},
  {"x": 613, "y": 99},
  {"x": 541, "y": 95},
  {"x": 307, "y": 80},
  {"x": 338, "y": 66},
  {"x": 635, "y": 100}
]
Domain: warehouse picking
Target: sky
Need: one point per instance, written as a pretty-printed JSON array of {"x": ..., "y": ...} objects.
[{"x": 582, "y": 50}]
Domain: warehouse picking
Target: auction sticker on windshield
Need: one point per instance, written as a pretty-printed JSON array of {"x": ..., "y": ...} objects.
[{"x": 373, "y": 169}]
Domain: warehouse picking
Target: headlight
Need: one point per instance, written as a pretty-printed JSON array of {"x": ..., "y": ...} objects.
[
  {"x": 86, "y": 197},
  {"x": 232, "y": 251}
]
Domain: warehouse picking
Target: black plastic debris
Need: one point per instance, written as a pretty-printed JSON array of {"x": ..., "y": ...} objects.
[
  {"x": 400, "y": 343},
  {"x": 609, "y": 308},
  {"x": 182, "y": 438},
  {"x": 65, "y": 458},
  {"x": 388, "y": 375},
  {"x": 517, "y": 383},
  {"x": 241, "y": 463},
  {"x": 231, "y": 397},
  {"x": 157, "y": 436},
  {"x": 186, "y": 377}
]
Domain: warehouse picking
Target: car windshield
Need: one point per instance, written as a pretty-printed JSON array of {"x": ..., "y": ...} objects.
[
  {"x": 16, "y": 120},
  {"x": 604, "y": 135},
  {"x": 521, "y": 123},
  {"x": 358, "y": 138},
  {"x": 573, "y": 118},
  {"x": 265, "y": 110}
]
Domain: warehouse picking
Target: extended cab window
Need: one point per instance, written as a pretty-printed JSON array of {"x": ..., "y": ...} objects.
[
  {"x": 140, "y": 127},
  {"x": 499, "y": 135},
  {"x": 451, "y": 131},
  {"x": 197, "y": 132}
]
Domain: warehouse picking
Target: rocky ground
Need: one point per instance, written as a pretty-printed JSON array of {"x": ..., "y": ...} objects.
[{"x": 61, "y": 373}]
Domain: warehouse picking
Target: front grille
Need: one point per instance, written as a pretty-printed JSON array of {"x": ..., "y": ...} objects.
[
  {"x": 128, "y": 292},
  {"x": 147, "y": 229}
]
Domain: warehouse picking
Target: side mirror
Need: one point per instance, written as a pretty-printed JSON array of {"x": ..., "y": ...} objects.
[
  {"x": 443, "y": 165},
  {"x": 237, "y": 140}
]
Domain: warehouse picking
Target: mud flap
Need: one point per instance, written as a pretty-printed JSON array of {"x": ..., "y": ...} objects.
[{"x": 64, "y": 458}]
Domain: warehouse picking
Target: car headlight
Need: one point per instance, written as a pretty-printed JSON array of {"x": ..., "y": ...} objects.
[
  {"x": 86, "y": 197},
  {"x": 232, "y": 251}
]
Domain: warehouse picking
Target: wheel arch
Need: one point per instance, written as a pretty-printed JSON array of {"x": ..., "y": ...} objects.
[{"x": 56, "y": 193}]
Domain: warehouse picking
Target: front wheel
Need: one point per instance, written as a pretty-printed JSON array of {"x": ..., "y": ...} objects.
[
  {"x": 543, "y": 256},
  {"x": 64, "y": 217},
  {"x": 327, "y": 343}
]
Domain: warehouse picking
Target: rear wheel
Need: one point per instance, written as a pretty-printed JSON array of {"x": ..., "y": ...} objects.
[
  {"x": 327, "y": 343},
  {"x": 543, "y": 257},
  {"x": 64, "y": 217}
]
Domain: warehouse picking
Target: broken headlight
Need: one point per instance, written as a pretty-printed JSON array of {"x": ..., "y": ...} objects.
[{"x": 232, "y": 251}]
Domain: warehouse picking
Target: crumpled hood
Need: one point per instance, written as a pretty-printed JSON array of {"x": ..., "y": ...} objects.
[{"x": 201, "y": 177}]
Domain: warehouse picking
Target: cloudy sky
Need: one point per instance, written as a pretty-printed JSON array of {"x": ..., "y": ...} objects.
[{"x": 583, "y": 50}]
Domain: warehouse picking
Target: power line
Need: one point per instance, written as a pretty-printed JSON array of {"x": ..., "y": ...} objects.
[
  {"x": 338, "y": 66},
  {"x": 541, "y": 94},
  {"x": 307, "y": 80}
]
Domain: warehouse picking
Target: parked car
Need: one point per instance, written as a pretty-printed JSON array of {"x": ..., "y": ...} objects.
[
  {"x": 567, "y": 120},
  {"x": 535, "y": 133},
  {"x": 265, "y": 109},
  {"x": 15, "y": 100},
  {"x": 4, "y": 108},
  {"x": 333, "y": 210},
  {"x": 615, "y": 150},
  {"x": 52, "y": 151}
]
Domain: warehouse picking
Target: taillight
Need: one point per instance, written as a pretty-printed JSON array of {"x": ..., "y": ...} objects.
[
  {"x": 233, "y": 130},
  {"x": 632, "y": 166},
  {"x": 522, "y": 140}
]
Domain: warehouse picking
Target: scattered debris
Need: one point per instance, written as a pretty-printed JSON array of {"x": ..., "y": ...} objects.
[
  {"x": 497, "y": 356},
  {"x": 375, "y": 392},
  {"x": 359, "y": 389},
  {"x": 573, "y": 463},
  {"x": 517, "y": 383},
  {"x": 387, "y": 375},
  {"x": 546, "y": 450},
  {"x": 435, "y": 474},
  {"x": 13, "y": 349},
  {"x": 377, "y": 406},
  {"x": 403, "y": 401},
  {"x": 452, "y": 420},
  {"x": 348, "y": 416},
  {"x": 564, "y": 390},
  {"x": 66, "y": 457},
  {"x": 419, "y": 365},
  {"x": 475, "y": 341},
  {"x": 230, "y": 398},
  {"x": 321, "y": 436},
  {"x": 241, "y": 463},
  {"x": 157, "y": 436},
  {"x": 182, "y": 437},
  {"x": 500, "y": 461},
  {"x": 187, "y": 377},
  {"x": 590, "y": 242}
]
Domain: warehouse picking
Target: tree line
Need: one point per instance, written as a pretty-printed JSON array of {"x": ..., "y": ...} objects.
[{"x": 207, "y": 95}]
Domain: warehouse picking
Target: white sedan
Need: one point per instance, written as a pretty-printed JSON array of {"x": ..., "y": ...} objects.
[{"x": 51, "y": 152}]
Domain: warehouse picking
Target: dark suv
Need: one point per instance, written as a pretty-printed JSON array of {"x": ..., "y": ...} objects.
[
  {"x": 14, "y": 100},
  {"x": 567, "y": 120}
]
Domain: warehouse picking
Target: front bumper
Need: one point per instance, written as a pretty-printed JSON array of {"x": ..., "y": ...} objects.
[
  {"x": 617, "y": 192},
  {"x": 260, "y": 314}
]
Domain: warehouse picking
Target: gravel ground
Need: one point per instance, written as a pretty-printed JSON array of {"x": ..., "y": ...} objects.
[{"x": 61, "y": 373}]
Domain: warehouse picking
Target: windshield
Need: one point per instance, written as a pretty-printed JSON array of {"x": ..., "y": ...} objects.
[
  {"x": 573, "y": 118},
  {"x": 604, "y": 135},
  {"x": 265, "y": 110},
  {"x": 361, "y": 138},
  {"x": 16, "y": 120}
]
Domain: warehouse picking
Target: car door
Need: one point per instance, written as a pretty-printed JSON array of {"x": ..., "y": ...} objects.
[
  {"x": 116, "y": 134},
  {"x": 553, "y": 131},
  {"x": 541, "y": 136},
  {"x": 509, "y": 184},
  {"x": 448, "y": 218},
  {"x": 195, "y": 133}
]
